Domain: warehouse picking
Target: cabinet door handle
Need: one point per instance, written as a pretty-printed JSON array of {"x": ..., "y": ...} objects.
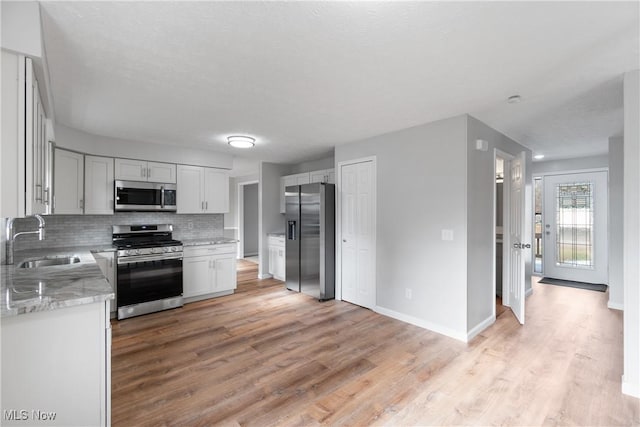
[
  {"x": 206, "y": 206},
  {"x": 202, "y": 205},
  {"x": 81, "y": 204},
  {"x": 148, "y": 172}
]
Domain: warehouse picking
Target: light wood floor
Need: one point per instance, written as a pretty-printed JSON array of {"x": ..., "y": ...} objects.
[{"x": 266, "y": 356}]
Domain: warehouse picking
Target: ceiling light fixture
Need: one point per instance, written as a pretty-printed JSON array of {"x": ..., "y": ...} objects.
[
  {"x": 539, "y": 156},
  {"x": 514, "y": 99},
  {"x": 239, "y": 141}
]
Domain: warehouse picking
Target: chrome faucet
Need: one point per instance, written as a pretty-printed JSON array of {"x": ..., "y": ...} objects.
[{"x": 12, "y": 237}]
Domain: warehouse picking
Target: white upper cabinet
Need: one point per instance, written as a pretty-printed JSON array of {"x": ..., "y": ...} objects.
[
  {"x": 202, "y": 190},
  {"x": 216, "y": 190},
  {"x": 141, "y": 170},
  {"x": 190, "y": 189},
  {"x": 326, "y": 175},
  {"x": 98, "y": 185},
  {"x": 37, "y": 191},
  {"x": 24, "y": 150},
  {"x": 68, "y": 182}
]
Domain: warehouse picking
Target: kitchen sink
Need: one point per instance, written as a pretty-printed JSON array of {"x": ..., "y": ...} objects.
[{"x": 47, "y": 262}]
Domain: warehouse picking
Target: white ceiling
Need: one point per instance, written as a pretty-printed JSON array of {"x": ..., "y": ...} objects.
[{"x": 303, "y": 77}]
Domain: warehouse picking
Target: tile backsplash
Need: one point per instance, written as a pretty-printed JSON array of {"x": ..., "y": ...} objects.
[{"x": 82, "y": 230}]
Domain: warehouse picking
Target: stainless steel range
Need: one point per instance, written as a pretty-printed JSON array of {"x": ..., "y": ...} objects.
[{"x": 149, "y": 274}]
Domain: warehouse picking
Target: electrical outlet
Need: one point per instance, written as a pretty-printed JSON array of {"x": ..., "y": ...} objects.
[
  {"x": 190, "y": 225},
  {"x": 447, "y": 234},
  {"x": 408, "y": 294}
]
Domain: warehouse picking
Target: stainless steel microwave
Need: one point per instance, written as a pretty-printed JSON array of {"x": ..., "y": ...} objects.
[{"x": 145, "y": 196}]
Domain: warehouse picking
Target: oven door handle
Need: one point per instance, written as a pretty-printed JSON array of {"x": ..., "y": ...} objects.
[
  {"x": 162, "y": 196},
  {"x": 142, "y": 258}
]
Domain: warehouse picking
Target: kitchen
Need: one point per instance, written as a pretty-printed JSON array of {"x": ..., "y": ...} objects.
[{"x": 397, "y": 150}]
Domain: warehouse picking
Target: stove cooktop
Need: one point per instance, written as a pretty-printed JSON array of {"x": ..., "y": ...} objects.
[{"x": 149, "y": 243}]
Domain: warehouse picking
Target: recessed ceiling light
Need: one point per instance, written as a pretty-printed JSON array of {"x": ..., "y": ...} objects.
[
  {"x": 539, "y": 156},
  {"x": 239, "y": 141},
  {"x": 514, "y": 99}
]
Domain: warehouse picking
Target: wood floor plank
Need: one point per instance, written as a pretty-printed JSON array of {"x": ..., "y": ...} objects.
[{"x": 266, "y": 356}]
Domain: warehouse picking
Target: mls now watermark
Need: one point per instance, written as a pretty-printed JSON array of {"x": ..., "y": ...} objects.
[{"x": 25, "y": 415}]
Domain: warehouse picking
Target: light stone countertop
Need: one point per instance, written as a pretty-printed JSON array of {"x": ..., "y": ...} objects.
[
  {"x": 27, "y": 290},
  {"x": 209, "y": 241},
  {"x": 276, "y": 234}
]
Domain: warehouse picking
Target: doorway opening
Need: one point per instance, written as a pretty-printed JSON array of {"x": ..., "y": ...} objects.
[
  {"x": 248, "y": 219},
  {"x": 499, "y": 222},
  {"x": 510, "y": 236}
]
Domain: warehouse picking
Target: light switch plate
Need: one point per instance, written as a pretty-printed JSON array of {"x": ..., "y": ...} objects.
[{"x": 447, "y": 234}]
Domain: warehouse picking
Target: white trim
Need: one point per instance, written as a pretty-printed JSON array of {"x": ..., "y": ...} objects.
[
  {"x": 460, "y": 336},
  {"x": 528, "y": 292},
  {"x": 615, "y": 305},
  {"x": 630, "y": 388},
  {"x": 338, "y": 263},
  {"x": 481, "y": 327},
  {"x": 572, "y": 171},
  {"x": 240, "y": 216},
  {"x": 506, "y": 196},
  {"x": 265, "y": 276}
]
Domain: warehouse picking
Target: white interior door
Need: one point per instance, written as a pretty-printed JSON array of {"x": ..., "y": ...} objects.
[
  {"x": 357, "y": 233},
  {"x": 575, "y": 227},
  {"x": 516, "y": 232}
]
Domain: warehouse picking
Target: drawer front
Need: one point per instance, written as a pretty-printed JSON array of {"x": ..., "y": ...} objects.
[
  {"x": 191, "y": 251},
  {"x": 276, "y": 241}
]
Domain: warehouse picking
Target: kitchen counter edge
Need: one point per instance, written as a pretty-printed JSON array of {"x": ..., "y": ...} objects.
[{"x": 51, "y": 288}]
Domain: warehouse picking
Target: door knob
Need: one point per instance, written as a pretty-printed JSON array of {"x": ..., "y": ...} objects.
[
  {"x": 517, "y": 246},
  {"x": 344, "y": 240}
]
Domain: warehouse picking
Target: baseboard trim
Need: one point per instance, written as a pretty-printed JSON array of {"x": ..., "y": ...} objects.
[
  {"x": 528, "y": 292},
  {"x": 264, "y": 276},
  {"x": 481, "y": 327},
  {"x": 615, "y": 305},
  {"x": 421, "y": 323},
  {"x": 630, "y": 389}
]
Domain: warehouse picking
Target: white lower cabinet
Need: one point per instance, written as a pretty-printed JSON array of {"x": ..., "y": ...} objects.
[
  {"x": 208, "y": 271},
  {"x": 56, "y": 367},
  {"x": 277, "y": 257}
]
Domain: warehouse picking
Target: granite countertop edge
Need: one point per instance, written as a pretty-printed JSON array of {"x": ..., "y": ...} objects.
[
  {"x": 210, "y": 241},
  {"x": 50, "y": 288}
]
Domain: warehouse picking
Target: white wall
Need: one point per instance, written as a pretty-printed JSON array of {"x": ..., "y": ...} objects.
[
  {"x": 231, "y": 217},
  {"x": 480, "y": 209},
  {"x": 74, "y": 139},
  {"x": 616, "y": 222},
  {"x": 270, "y": 217},
  {"x": 250, "y": 220},
  {"x": 631, "y": 377},
  {"x": 21, "y": 27},
  {"x": 421, "y": 190},
  {"x": 570, "y": 165},
  {"x": 326, "y": 163}
]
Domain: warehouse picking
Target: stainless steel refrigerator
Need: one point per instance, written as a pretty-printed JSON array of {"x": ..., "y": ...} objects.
[{"x": 310, "y": 244}]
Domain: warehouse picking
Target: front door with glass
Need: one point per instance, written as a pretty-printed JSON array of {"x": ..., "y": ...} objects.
[{"x": 575, "y": 227}]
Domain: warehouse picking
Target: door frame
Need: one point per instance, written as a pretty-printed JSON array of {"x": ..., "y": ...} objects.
[
  {"x": 543, "y": 176},
  {"x": 338, "y": 203},
  {"x": 240, "y": 217},
  {"x": 506, "y": 202},
  {"x": 606, "y": 210}
]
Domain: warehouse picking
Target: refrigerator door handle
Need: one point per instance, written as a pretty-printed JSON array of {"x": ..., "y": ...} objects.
[{"x": 291, "y": 230}]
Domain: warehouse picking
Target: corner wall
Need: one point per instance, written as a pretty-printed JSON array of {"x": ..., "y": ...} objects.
[
  {"x": 421, "y": 191},
  {"x": 480, "y": 220},
  {"x": 616, "y": 223},
  {"x": 270, "y": 218},
  {"x": 631, "y": 377}
]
